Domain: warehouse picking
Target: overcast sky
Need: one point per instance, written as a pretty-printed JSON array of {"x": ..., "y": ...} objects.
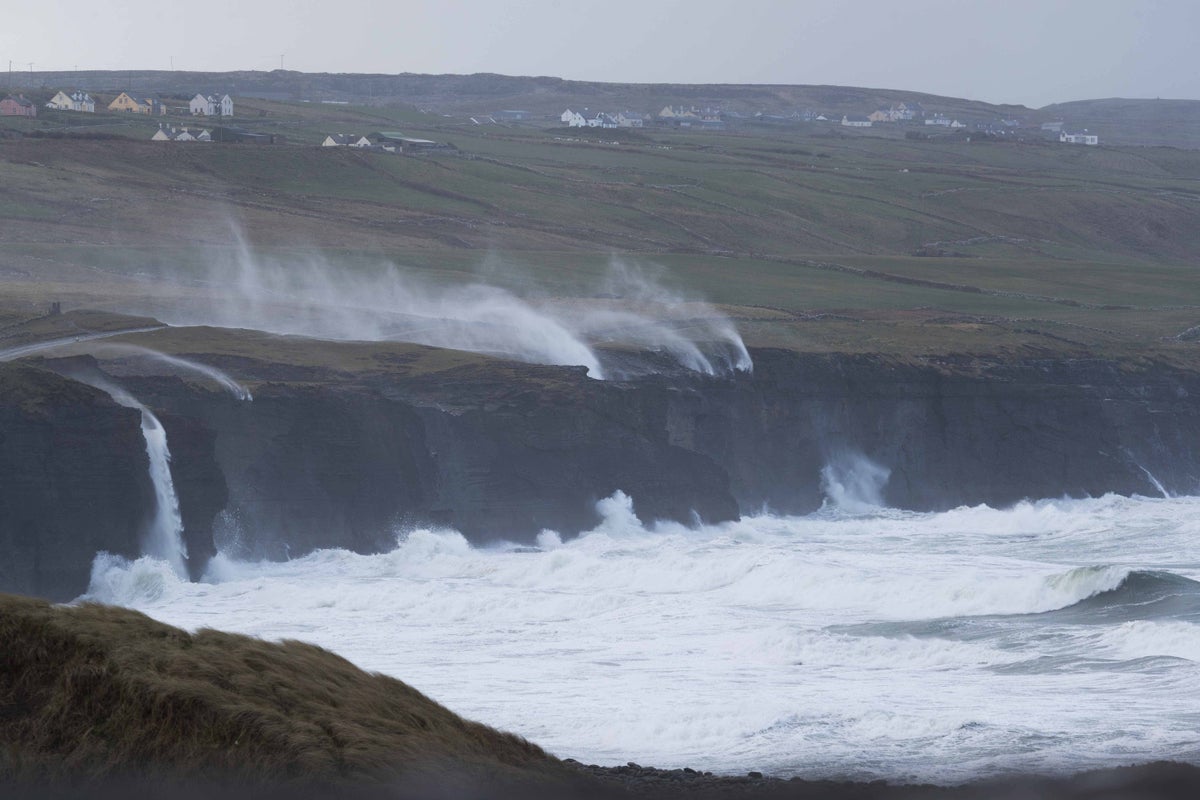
[{"x": 1032, "y": 52}]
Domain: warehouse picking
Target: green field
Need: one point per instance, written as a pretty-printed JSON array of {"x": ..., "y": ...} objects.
[{"x": 810, "y": 236}]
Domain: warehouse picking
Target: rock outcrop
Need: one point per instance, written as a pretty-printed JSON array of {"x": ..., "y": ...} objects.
[{"x": 73, "y": 480}]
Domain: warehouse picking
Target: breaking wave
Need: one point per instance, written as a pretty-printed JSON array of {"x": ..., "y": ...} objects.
[{"x": 942, "y": 644}]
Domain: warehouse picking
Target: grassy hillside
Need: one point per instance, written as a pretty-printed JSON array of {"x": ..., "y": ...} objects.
[
  {"x": 1122, "y": 122},
  {"x": 101, "y": 692},
  {"x": 810, "y": 236},
  {"x": 1156, "y": 123}
]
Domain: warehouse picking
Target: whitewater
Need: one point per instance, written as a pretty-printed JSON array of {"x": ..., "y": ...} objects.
[{"x": 867, "y": 643}]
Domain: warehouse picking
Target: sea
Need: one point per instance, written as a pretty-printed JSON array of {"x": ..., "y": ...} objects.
[{"x": 858, "y": 642}]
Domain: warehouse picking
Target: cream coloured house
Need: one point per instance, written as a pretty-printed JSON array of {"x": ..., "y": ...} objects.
[
  {"x": 77, "y": 101},
  {"x": 137, "y": 105}
]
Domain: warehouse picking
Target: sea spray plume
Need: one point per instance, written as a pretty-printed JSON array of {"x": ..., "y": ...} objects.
[
  {"x": 653, "y": 317},
  {"x": 309, "y": 295},
  {"x": 853, "y": 483},
  {"x": 314, "y": 297},
  {"x": 227, "y": 383}
]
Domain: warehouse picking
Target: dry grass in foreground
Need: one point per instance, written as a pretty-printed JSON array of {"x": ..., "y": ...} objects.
[{"x": 94, "y": 694}]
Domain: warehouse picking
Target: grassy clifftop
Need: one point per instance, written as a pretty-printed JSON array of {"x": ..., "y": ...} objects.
[{"x": 93, "y": 692}]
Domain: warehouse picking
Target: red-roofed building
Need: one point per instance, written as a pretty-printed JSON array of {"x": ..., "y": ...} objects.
[{"x": 17, "y": 107}]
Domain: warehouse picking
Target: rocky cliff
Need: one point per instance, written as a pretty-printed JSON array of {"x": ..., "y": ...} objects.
[
  {"x": 73, "y": 480},
  {"x": 948, "y": 432},
  {"x": 332, "y": 457}
]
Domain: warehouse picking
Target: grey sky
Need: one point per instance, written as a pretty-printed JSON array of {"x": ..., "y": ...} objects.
[{"x": 1023, "y": 51}]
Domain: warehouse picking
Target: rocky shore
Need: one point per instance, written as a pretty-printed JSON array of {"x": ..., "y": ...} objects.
[{"x": 1159, "y": 781}]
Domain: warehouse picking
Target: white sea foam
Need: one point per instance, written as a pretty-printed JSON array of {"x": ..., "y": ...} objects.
[
  {"x": 1151, "y": 639},
  {"x": 878, "y": 644}
]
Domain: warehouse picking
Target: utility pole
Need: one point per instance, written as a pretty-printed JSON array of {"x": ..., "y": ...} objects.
[{"x": 30, "y": 74}]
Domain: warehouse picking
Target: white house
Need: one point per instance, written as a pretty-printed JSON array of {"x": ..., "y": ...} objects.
[
  {"x": 345, "y": 140},
  {"x": 628, "y": 119},
  {"x": 855, "y": 122},
  {"x": 169, "y": 133},
  {"x": 76, "y": 101},
  {"x": 602, "y": 120},
  {"x": 573, "y": 119},
  {"x": 1079, "y": 138},
  {"x": 211, "y": 105}
]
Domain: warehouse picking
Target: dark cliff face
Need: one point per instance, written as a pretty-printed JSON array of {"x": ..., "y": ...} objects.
[
  {"x": 353, "y": 465},
  {"x": 73, "y": 481},
  {"x": 951, "y": 433},
  {"x": 504, "y": 451}
]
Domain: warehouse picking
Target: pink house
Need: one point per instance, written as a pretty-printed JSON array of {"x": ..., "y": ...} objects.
[{"x": 17, "y": 107}]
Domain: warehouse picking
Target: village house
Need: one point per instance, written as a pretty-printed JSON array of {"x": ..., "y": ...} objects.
[
  {"x": 900, "y": 112},
  {"x": 17, "y": 107},
  {"x": 134, "y": 104},
  {"x": 173, "y": 134},
  {"x": 76, "y": 101},
  {"x": 944, "y": 121},
  {"x": 573, "y": 119},
  {"x": 674, "y": 112},
  {"x": 1079, "y": 138},
  {"x": 602, "y": 120},
  {"x": 853, "y": 121},
  {"x": 212, "y": 105},
  {"x": 628, "y": 119},
  {"x": 345, "y": 140}
]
